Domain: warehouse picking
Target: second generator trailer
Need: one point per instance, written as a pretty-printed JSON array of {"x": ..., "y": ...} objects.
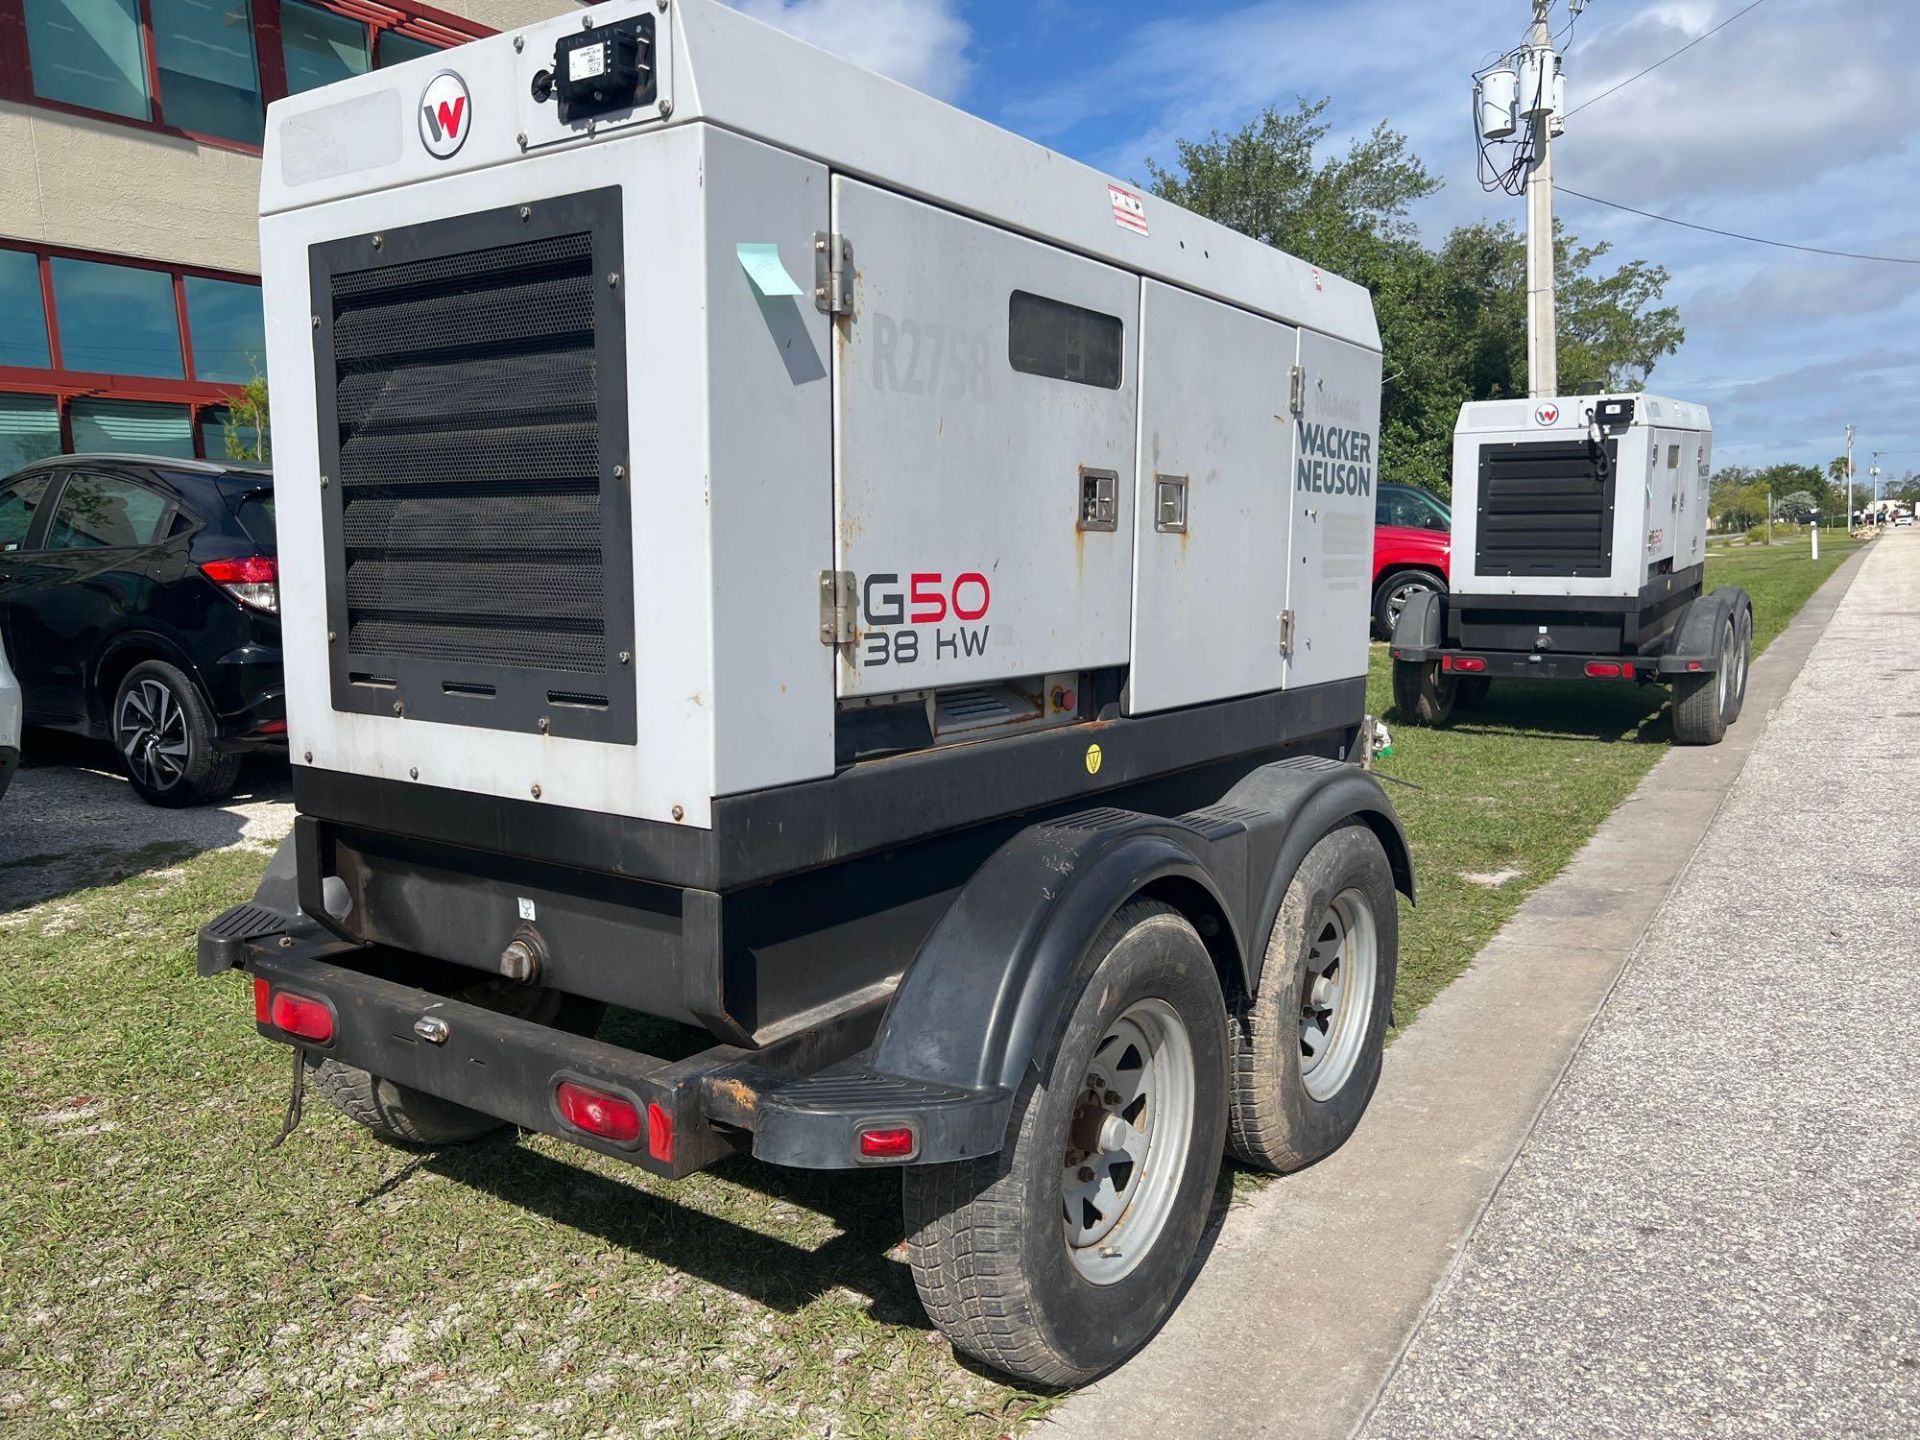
[{"x": 1579, "y": 549}]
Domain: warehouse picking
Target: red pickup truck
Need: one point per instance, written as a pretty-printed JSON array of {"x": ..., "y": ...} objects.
[{"x": 1412, "y": 545}]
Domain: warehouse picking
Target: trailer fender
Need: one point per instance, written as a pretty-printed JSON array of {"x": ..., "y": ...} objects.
[
  {"x": 1696, "y": 638},
  {"x": 974, "y": 1008},
  {"x": 1421, "y": 624},
  {"x": 1295, "y": 804}
]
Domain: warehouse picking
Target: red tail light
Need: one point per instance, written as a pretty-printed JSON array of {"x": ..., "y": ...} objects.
[
  {"x": 260, "y": 989},
  {"x": 253, "y": 580},
  {"x": 272, "y": 727},
  {"x": 888, "y": 1142},
  {"x": 299, "y": 1016},
  {"x": 659, "y": 1133},
  {"x": 1463, "y": 664},
  {"x": 1605, "y": 670},
  {"x": 611, "y": 1117}
]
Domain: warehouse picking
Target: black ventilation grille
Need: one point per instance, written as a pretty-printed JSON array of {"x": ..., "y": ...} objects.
[
  {"x": 473, "y": 429},
  {"x": 1546, "y": 508}
]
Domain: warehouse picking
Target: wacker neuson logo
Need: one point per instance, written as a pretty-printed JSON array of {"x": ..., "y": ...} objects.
[{"x": 444, "y": 115}]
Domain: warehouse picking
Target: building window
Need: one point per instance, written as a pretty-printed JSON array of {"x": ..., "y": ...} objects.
[
  {"x": 197, "y": 67},
  {"x": 209, "y": 80},
  {"x": 321, "y": 47},
  {"x": 102, "y": 426},
  {"x": 88, "y": 52},
  {"x": 116, "y": 319},
  {"x": 104, "y": 370},
  {"x": 23, "y": 319},
  {"x": 29, "y": 431},
  {"x": 397, "y": 49},
  {"x": 227, "y": 329}
]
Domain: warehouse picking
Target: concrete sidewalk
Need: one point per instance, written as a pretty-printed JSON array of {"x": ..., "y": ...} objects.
[
  {"x": 1715, "y": 1227},
  {"x": 1314, "y": 1289}
]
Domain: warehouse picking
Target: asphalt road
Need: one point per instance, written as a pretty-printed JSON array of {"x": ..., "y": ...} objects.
[
  {"x": 1715, "y": 1227},
  {"x": 70, "y": 819}
]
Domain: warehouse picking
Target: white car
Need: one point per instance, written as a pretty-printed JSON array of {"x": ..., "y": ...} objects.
[
  {"x": 9, "y": 722},
  {"x": 1903, "y": 520}
]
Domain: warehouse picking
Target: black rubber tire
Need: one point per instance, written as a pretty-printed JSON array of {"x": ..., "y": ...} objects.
[
  {"x": 1471, "y": 693},
  {"x": 208, "y": 774},
  {"x": 1382, "y": 615},
  {"x": 1743, "y": 647},
  {"x": 401, "y": 1115},
  {"x": 1273, "y": 1123},
  {"x": 1700, "y": 707},
  {"x": 984, "y": 1236},
  {"x": 1421, "y": 694}
]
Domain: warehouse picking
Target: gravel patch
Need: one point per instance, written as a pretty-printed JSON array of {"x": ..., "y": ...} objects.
[{"x": 70, "y": 820}]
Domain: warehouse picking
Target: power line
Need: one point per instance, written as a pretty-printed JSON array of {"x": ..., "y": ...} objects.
[
  {"x": 1658, "y": 63},
  {"x": 1736, "y": 235}
]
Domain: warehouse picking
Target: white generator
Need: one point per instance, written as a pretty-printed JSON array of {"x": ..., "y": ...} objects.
[
  {"x": 1579, "y": 550},
  {"x": 765, "y": 549}
]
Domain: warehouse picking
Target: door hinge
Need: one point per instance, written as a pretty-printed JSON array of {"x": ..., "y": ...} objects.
[
  {"x": 1297, "y": 390},
  {"x": 832, "y": 273},
  {"x": 1286, "y": 633},
  {"x": 836, "y": 607}
]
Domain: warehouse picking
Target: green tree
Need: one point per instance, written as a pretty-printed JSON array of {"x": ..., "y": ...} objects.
[
  {"x": 1452, "y": 319},
  {"x": 1799, "y": 507},
  {"x": 248, "y": 434}
]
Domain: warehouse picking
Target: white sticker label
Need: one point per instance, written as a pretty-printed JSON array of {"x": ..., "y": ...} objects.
[
  {"x": 587, "y": 62},
  {"x": 1129, "y": 210},
  {"x": 526, "y": 908}
]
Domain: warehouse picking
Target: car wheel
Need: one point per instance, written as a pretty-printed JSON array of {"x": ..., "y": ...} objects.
[
  {"x": 1390, "y": 597},
  {"x": 165, "y": 732},
  {"x": 1422, "y": 693}
]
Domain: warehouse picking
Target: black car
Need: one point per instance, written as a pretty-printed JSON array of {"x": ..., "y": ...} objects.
[{"x": 139, "y": 602}]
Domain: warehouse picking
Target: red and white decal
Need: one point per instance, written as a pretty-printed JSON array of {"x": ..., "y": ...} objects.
[
  {"x": 1547, "y": 413},
  {"x": 446, "y": 114},
  {"x": 1129, "y": 210}
]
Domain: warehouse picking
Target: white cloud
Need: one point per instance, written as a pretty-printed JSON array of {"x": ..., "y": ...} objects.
[{"x": 922, "y": 43}]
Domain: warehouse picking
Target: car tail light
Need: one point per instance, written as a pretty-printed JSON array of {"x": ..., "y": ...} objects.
[
  {"x": 252, "y": 580},
  {"x": 1695, "y": 665},
  {"x": 1463, "y": 664},
  {"x": 1605, "y": 670},
  {"x": 611, "y": 1117},
  {"x": 888, "y": 1142},
  {"x": 300, "y": 1016},
  {"x": 260, "y": 992}
]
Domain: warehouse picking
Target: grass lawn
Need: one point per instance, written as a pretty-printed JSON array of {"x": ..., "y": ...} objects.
[{"x": 163, "y": 1274}]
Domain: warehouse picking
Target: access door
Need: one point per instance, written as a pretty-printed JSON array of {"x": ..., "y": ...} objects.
[
  {"x": 1212, "y": 501},
  {"x": 1336, "y": 466},
  {"x": 984, "y": 394}
]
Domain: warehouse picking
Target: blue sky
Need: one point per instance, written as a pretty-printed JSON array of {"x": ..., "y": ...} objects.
[{"x": 1798, "y": 122}]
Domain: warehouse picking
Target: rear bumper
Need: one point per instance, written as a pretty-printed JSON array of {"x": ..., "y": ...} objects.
[
  {"x": 1556, "y": 665},
  {"x": 248, "y": 689},
  {"x": 801, "y": 1099}
]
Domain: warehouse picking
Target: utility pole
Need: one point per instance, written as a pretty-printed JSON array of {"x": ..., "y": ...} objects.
[{"x": 1543, "y": 348}]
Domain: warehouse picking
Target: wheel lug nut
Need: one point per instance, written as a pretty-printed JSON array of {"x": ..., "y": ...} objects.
[
  {"x": 1113, "y": 1097},
  {"x": 1086, "y": 1174}
]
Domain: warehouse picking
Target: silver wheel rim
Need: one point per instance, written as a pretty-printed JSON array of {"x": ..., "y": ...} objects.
[
  {"x": 1727, "y": 662},
  {"x": 152, "y": 736},
  {"x": 1127, "y": 1142},
  {"x": 1398, "y": 597},
  {"x": 1336, "y": 993}
]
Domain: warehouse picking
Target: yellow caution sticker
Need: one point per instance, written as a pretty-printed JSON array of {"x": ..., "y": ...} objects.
[{"x": 1093, "y": 759}]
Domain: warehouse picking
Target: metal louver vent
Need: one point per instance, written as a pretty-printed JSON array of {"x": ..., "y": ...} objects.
[
  {"x": 473, "y": 432},
  {"x": 1546, "y": 508}
]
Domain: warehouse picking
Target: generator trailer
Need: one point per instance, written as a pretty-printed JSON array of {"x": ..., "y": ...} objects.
[{"x": 767, "y": 552}]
